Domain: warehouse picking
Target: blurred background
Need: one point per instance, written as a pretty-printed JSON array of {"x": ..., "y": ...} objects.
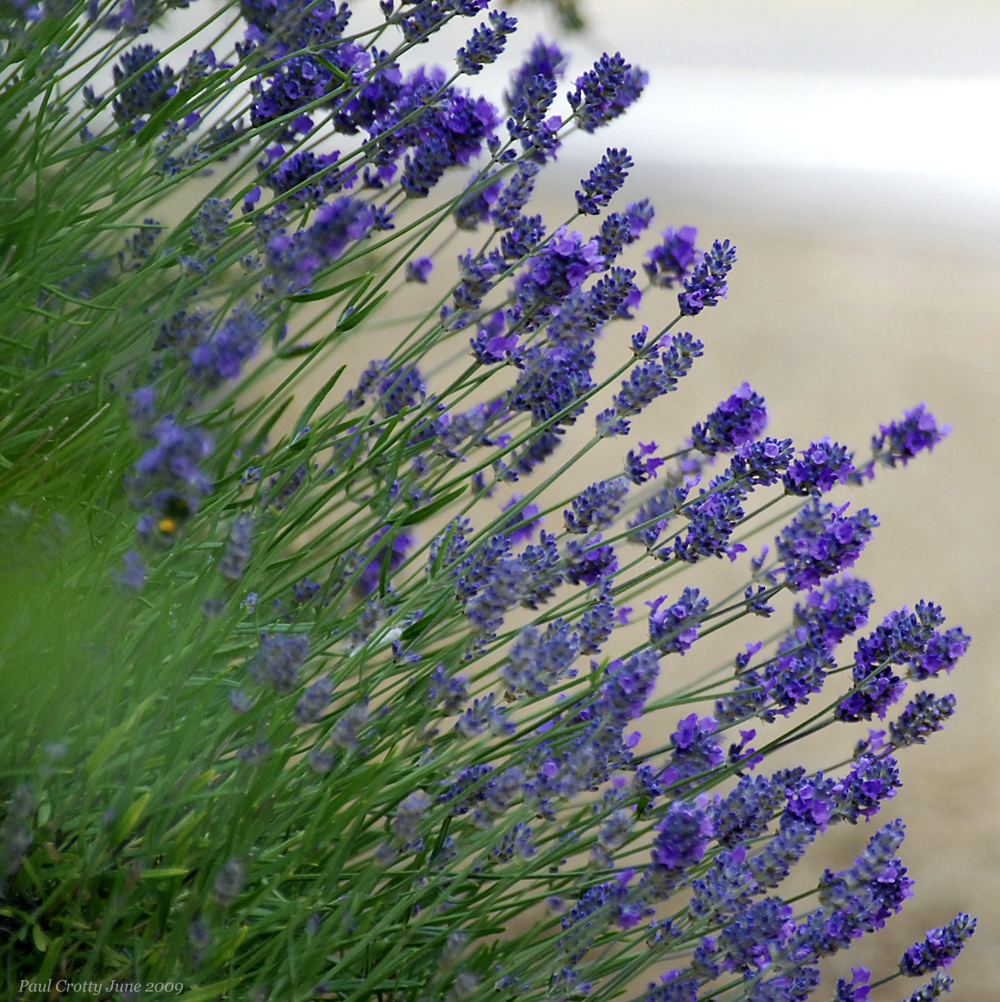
[{"x": 850, "y": 150}]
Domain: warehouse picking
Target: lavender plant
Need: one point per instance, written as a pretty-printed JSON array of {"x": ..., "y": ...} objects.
[{"x": 334, "y": 694}]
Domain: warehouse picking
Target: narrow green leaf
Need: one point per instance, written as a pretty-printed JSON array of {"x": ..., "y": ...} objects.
[
  {"x": 317, "y": 399},
  {"x": 313, "y": 297},
  {"x": 348, "y": 321},
  {"x": 422, "y": 514}
]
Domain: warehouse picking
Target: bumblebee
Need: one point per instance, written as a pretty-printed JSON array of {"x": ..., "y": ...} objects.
[{"x": 175, "y": 512}]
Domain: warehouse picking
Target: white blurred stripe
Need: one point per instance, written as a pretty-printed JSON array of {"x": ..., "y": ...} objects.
[{"x": 930, "y": 126}]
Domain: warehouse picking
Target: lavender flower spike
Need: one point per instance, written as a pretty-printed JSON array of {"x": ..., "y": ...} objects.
[
  {"x": 605, "y": 179},
  {"x": 707, "y": 285},
  {"x": 900, "y": 441},
  {"x": 940, "y": 947}
]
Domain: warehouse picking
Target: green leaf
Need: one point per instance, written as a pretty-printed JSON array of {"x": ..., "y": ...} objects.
[
  {"x": 165, "y": 873},
  {"x": 422, "y": 514},
  {"x": 113, "y": 738},
  {"x": 313, "y": 297},
  {"x": 130, "y": 818},
  {"x": 41, "y": 941},
  {"x": 323, "y": 61},
  {"x": 317, "y": 399},
  {"x": 216, "y": 990},
  {"x": 349, "y": 320},
  {"x": 52, "y": 955}
]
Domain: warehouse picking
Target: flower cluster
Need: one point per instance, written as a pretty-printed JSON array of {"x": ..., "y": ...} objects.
[{"x": 345, "y": 681}]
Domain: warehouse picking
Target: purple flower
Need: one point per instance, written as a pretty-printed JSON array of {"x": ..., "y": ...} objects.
[
  {"x": 562, "y": 265},
  {"x": 389, "y": 556},
  {"x": 134, "y": 574},
  {"x": 222, "y": 354},
  {"x": 923, "y": 715},
  {"x": 233, "y": 563},
  {"x": 942, "y": 652},
  {"x": 484, "y": 715},
  {"x": 445, "y": 134},
  {"x": 596, "y": 623},
  {"x": 605, "y": 179},
  {"x": 597, "y": 506},
  {"x": 938, "y": 985},
  {"x": 486, "y": 44},
  {"x": 674, "y": 627},
  {"x": 770, "y": 867},
  {"x": 167, "y": 481},
  {"x": 856, "y": 900},
  {"x": 587, "y": 562},
  {"x": 271, "y": 24},
  {"x": 409, "y": 814},
  {"x": 505, "y": 584},
  {"x": 680, "y": 842},
  {"x": 627, "y": 686},
  {"x": 604, "y": 92},
  {"x": 476, "y": 206},
  {"x": 307, "y": 172},
  {"x": 639, "y": 467},
  {"x": 713, "y": 518},
  {"x": 656, "y": 513},
  {"x": 400, "y": 390},
  {"x": 796, "y": 986},
  {"x": 900, "y": 441},
  {"x": 695, "y": 751},
  {"x": 739, "y": 419},
  {"x": 537, "y": 661},
  {"x": 349, "y": 726},
  {"x": 141, "y": 93},
  {"x": 861, "y": 792},
  {"x": 823, "y": 464},
  {"x": 527, "y": 515},
  {"x": 940, "y": 947},
  {"x": 582, "y": 314},
  {"x": 725, "y": 889},
  {"x": 448, "y": 548},
  {"x": 746, "y": 811},
  {"x": 490, "y": 349},
  {"x": 651, "y": 379},
  {"x": 855, "y": 990},
  {"x": 821, "y": 541},
  {"x": 450, "y": 692},
  {"x": 478, "y": 275},
  {"x": 295, "y": 260},
  {"x": 671, "y": 260},
  {"x": 761, "y": 463},
  {"x": 278, "y": 660},
  {"x": 833, "y": 612},
  {"x": 545, "y": 60},
  {"x": 522, "y": 238},
  {"x": 707, "y": 284},
  {"x": 673, "y": 988},
  {"x": 622, "y": 228},
  {"x": 903, "y": 638},
  {"x": 141, "y": 404},
  {"x": 419, "y": 269},
  {"x": 516, "y": 842},
  {"x": 313, "y": 702}
]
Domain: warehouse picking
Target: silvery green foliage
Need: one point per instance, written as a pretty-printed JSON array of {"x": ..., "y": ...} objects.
[{"x": 302, "y": 698}]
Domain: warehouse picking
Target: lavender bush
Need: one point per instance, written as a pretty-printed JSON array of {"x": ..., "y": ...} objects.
[{"x": 339, "y": 694}]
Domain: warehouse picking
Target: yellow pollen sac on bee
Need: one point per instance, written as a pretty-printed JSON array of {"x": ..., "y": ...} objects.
[{"x": 167, "y": 525}]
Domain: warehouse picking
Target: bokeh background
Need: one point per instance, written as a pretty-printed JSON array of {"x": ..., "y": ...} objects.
[{"x": 850, "y": 150}]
